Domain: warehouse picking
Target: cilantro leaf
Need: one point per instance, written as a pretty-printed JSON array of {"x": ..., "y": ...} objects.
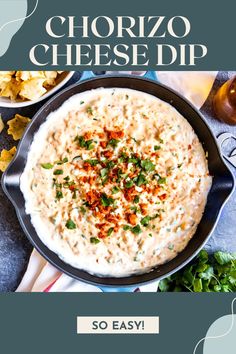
[
  {"x": 94, "y": 240},
  {"x": 147, "y": 165},
  {"x": 224, "y": 258},
  {"x": 47, "y": 166},
  {"x": 70, "y": 224},
  {"x": 114, "y": 143},
  {"x": 106, "y": 201}
]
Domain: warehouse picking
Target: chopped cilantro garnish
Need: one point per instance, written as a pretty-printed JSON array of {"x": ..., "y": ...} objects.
[
  {"x": 106, "y": 201},
  {"x": 133, "y": 160},
  {"x": 115, "y": 190},
  {"x": 129, "y": 184},
  {"x": 83, "y": 210},
  {"x": 110, "y": 231},
  {"x": 150, "y": 235},
  {"x": 67, "y": 178},
  {"x": 58, "y": 172},
  {"x": 136, "y": 230},
  {"x": 110, "y": 164},
  {"x": 92, "y": 162},
  {"x": 94, "y": 240},
  {"x": 59, "y": 194},
  {"x": 145, "y": 220},
  {"x": 47, "y": 166},
  {"x": 119, "y": 175},
  {"x": 161, "y": 180},
  {"x": 122, "y": 157},
  {"x": 126, "y": 227},
  {"x": 62, "y": 161},
  {"x": 104, "y": 172},
  {"x": 135, "y": 209},
  {"x": 89, "y": 110},
  {"x": 140, "y": 180},
  {"x": 157, "y": 147},
  {"x": 136, "y": 199},
  {"x": 70, "y": 224},
  {"x": 113, "y": 142},
  {"x": 147, "y": 165},
  {"x": 87, "y": 144},
  {"x": 171, "y": 247}
]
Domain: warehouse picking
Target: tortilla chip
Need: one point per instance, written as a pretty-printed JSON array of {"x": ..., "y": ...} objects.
[
  {"x": 10, "y": 89},
  {"x": 5, "y": 158},
  {"x": 1, "y": 124},
  {"x": 28, "y": 75},
  {"x": 32, "y": 89},
  {"x": 50, "y": 78},
  {"x": 5, "y": 76},
  {"x": 17, "y": 126},
  {"x": 26, "y": 85}
]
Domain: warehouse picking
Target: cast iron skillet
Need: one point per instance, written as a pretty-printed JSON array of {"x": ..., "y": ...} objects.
[{"x": 223, "y": 181}]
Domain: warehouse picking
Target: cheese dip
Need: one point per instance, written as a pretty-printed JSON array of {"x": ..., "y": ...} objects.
[{"x": 116, "y": 182}]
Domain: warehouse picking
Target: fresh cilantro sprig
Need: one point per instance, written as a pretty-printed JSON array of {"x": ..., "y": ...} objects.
[{"x": 214, "y": 273}]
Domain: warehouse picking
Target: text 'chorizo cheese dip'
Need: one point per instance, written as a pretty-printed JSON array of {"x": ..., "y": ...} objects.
[{"x": 116, "y": 182}]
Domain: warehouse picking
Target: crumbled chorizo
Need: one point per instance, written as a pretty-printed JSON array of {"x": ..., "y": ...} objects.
[
  {"x": 108, "y": 153},
  {"x": 144, "y": 208},
  {"x": 130, "y": 193},
  {"x": 131, "y": 218},
  {"x": 87, "y": 166},
  {"x": 115, "y": 134},
  {"x": 103, "y": 144}
]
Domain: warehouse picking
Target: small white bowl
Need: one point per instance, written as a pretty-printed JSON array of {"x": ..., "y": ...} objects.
[{"x": 6, "y": 102}]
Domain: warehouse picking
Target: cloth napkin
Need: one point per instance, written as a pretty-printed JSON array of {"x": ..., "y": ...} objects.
[{"x": 41, "y": 276}]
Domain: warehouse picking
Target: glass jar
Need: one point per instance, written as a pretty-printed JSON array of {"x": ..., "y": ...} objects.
[{"x": 225, "y": 102}]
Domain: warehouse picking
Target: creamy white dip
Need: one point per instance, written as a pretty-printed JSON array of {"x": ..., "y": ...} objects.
[{"x": 116, "y": 182}]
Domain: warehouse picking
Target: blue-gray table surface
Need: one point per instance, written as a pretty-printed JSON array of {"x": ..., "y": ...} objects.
[{"x": 15, "y": 249}]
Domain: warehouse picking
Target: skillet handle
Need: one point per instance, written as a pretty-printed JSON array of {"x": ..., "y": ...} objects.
[
  {"x": 221, "y": 139},
  {"x": 90, "y": 75},
  {"x": 108, "y": 289},
  {"x": 151, "y": 75},
  {"x": 87, "y": 75}
]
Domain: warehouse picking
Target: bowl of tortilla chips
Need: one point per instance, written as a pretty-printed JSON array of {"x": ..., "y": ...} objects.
[{"x": 24, "y": 88}]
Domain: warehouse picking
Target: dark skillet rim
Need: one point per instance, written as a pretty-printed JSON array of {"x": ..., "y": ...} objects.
[{"x": 122, "y": 281}]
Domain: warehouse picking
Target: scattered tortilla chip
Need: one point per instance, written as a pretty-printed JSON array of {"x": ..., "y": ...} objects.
[
  {"x": 1, "y": 124},
  {"x": 6, "y": 157},
  {"x": 17, "y": 126}
]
